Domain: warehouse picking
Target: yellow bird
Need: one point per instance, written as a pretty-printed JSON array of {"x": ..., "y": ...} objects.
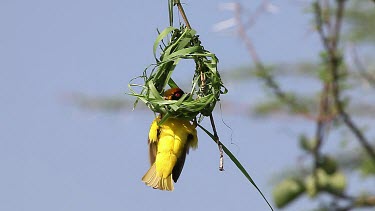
[{"x": 168, "y": 145}]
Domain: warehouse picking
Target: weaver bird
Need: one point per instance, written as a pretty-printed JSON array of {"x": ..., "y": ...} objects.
[{"x": 168, "y": 145}]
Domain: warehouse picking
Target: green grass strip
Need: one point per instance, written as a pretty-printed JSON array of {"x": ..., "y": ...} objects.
[{"x": 238, "y": 164}]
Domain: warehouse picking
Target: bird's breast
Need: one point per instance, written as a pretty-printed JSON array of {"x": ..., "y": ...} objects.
[{"x": 171, "y": 142}]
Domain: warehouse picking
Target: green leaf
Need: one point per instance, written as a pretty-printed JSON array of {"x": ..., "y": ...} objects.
[
  {"x": 238, "y": 164},
  {"x": 182, "y": 53},
  {"x": 160, "y": 37},
  {"x": 328, "y": 164},
  {"x": 170, "y": 12},
  {"x": 337, "y": 182},
  {"x": 172, "y": 84},
  {"x": 367, "y": 166},
  {"x": 287, "y": 191},
  {"x": 306, "y": 144},
  {"x": 311, "y": 186}
]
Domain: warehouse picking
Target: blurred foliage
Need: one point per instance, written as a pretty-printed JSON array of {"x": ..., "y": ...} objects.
[
  {"x": 367, "y": 167},
  {"x": 286, "y": 191},
  {"x": 301, "y": 69},
  {"x": 318, "y": 172},
  {"x": 323, "y": 172},
  {"x": 274, "y": 106},
  {"x": 100, "y": 103},
  {"x": 269, "y": 107},
  {"x": 360, "y": 22}
]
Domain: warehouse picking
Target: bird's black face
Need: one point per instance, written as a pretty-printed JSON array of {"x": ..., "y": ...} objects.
[
  {"x": 177, "y": 95},
  {"x": 173, "y": 94}
]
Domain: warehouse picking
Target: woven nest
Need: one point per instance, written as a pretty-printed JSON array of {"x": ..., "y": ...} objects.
[{"x": 206, "y": 82}]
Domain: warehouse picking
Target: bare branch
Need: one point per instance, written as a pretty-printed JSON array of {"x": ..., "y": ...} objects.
[
  {"x": 331, "y": 46},
  {"x": 267, "y": 77},
  {"x": 360, "y": 67}
]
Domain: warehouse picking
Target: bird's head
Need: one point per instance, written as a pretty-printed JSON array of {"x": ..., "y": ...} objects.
[{"x": 173, "y": 94}]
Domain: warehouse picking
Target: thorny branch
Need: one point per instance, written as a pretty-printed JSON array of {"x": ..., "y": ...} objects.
[
  {"x": 261, "y": 69},
  {"x": 269, "y": 80},
  {"x": 330, "y": 104},
  {"x": 330, "y": 35},
  {"x": 330, "y": 42}
]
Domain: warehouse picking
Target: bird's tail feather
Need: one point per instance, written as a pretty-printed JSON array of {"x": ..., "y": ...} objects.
[{"x": 153, "y": 180}]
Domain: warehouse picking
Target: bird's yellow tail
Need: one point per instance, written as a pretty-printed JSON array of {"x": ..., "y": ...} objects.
[{"x": 153, "y": 180}]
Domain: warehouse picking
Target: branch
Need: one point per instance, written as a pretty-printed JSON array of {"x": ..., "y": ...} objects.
[
  {"x": 360, "y": 202},
  {"x": 203, "y": 80},
  {"x": 321, "y": 127},
  {"x": 182, "y": 12},
  {"x": 331, "y": 46},
  {"x": 360, "y": 67},
  {"x": 269, "y": 80},
  {"x": 336, "y": 91}
]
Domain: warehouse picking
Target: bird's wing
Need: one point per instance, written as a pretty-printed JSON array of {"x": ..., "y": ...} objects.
[
  {"x": 153, "y": 138},
  {"x": 153, "y": 148},
  {"x": 192, "y": 142},
  {"x": 179, "y": 165}
]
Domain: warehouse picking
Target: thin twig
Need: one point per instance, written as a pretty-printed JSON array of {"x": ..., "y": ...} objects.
[
  {"x": 336, "y": 91},
  {"x": 182, "y": 12},
  {"x": 331, "y": 46},
  {"x": 221, "y": 163},
  {"x": 184, "y": 17},
  {"x": 319, "y": 25},
  {"x": 269, "y": 80},
  {"x": 327, "y": 12},
  {"x": 360, "y": 202},
  {"x": 360, "y": 67},
  {"x": 258, "y": 11},
  {"x": 341, "y": 196},
  {"x": 321, "y": 126},
  {"x": 203, "y": 84},
  {"x": 338, "y": 23},
  {"x": 358, "y": 133}
]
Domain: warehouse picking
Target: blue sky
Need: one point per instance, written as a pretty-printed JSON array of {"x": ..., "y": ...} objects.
[{"x": 55, "y": 156}]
